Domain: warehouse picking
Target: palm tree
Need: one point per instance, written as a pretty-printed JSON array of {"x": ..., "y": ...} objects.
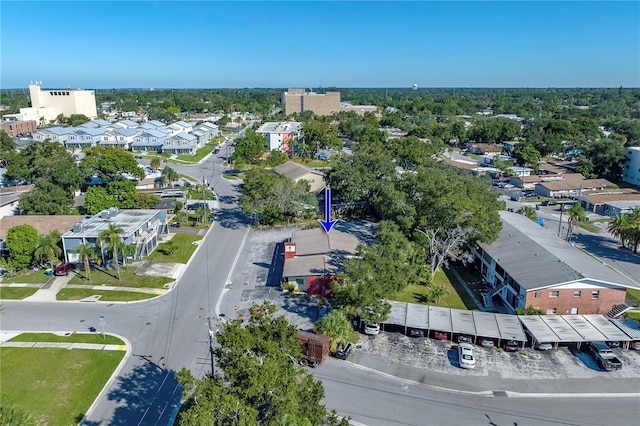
[
  {"x": 165, "y": 157},
  {"x": 86, "y": 253},
  {"x": 112, "y": 237},
  {"x": 576, "y": 215},
  {"x": 47, "y": 249},
  {"x": 155, "y": 163},
  {"x": 620, "y": 227},
  {"x": 168, "y": 175},
  {"x": 337, "y": 326}
]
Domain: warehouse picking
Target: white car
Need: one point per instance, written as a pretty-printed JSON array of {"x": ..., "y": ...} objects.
[
  {"x": 372, "y": 329},
  {"x": 544, "y": 346},
  {"x": 466, "y": 357}
]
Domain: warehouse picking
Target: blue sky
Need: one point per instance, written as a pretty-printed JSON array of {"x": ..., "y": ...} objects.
[{"x": 320, "y": 44}]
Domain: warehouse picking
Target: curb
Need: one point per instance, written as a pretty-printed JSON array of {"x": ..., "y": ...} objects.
[{"x": 503, "y": 393}]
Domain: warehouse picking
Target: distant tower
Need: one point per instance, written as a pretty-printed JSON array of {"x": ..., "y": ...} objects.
[{"x": 415, "y": 86}]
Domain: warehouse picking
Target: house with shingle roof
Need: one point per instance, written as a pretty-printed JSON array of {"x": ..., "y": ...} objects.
[
  {"x": 297, "y": 172},
  {"x": 312, "y": 258}
]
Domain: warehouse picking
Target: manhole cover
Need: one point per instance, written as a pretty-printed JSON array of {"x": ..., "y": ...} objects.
[{"x": 500, "y": 394}]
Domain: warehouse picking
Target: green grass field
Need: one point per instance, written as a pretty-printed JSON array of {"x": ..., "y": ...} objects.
[
  {"x": 200, "y": 154},
  {"x": 128, "y": 278},
  {"x": 29, "y": 277},
  {"x": 107, "y": 295},
  {"x": 56, "y": 386},
  {"x": 16, "y": 293},
  {"x": 72, "y": 338},
  {"x": 185, "y": 249},
  {"x": 419, "y": 294}
]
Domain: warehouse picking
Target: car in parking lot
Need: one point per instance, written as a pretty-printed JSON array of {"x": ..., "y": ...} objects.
[
  {"x": 372, "y": 329},
  {"x": 64, "y": 269},
  {"x": 511, "y": 346},
  {"x": 344, "y": 350},
  {"x": 416, "y": 332},
  {"x": 217, "y": 150},
  {"x": 487, "y": 343},
  {"x": 466, "y": 357},
  {"x": 548, "y": 203},
  {"x": 635, "y": 346},
  {"x": 465, "y": 338},
  {"x": 613, "y": 344},
  {"x": 544, "y": 346},
  {"x": 440, "y": 335}
]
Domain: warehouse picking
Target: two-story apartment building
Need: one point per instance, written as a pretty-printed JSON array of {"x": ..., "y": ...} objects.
[
  {"x": 528, "y": 265},
  {"x": 278, "y": 135},
  {"x": 149, "y": 141},
  {"x": 181, "y": 144}
]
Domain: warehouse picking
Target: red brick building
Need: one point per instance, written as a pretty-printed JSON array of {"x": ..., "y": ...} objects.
[
  {"x": 530, "y": 266},
  {"x": 312, "y": 258},
  {"x": 15, "y": 128}
]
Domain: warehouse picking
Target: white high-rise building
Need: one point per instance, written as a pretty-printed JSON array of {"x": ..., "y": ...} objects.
[
  {"x": 47, "y": 104},
  {"x": 631, "y": 172}
]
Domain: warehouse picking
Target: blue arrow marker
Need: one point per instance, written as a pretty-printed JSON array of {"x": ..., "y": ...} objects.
[{"x": 327, "y": 223}]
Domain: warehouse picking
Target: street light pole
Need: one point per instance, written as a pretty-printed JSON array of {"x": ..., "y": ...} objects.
[{"x": 211, "y": 332}]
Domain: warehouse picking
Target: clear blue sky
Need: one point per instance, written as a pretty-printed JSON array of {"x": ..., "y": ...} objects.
[{"x": 310, "y": 44}]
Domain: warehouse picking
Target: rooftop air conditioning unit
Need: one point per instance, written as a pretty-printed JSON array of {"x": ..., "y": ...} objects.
[{"x": 104, "y": 214}]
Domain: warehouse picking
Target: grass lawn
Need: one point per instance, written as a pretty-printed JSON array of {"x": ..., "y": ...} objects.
[
  {"x": 127, "y": 279},
  {"x": 16, "y": 293},
  {"x": 589, "y": 227},
  {"x": 107, "y": 295},
  {"x": 419, "y": 294},
  {"x": 185, "y": 249},
  {"x": 187, "y": 177},
  {"x": 632, "y": 315},
  {"x": 311, "y": 163},
  {"x": 29, "y": 277},
  {"x": 72, "y": 338},
  {"x": 229, "y": 177},
  {"x": 200, "y": 154},
  {"x": 633, "y": 293},
  {"x": 56, "y": 386}
]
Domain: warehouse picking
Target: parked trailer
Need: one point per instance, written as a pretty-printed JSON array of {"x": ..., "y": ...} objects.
[{"x": 314, "y": 348}]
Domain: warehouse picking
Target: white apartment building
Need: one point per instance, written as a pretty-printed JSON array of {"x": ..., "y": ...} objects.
[
  {"x": 47, "y": 104},
  {"x": 280, "y": 134},
  {"x": 631, "y": 172}
]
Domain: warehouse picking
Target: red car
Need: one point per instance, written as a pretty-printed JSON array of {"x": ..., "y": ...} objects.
[
  {"x": 64, "y": 269},
  {"x": 440, "y": 335},
  {"x": 463, "y": 338},
  {"x": 511, "y": 346}
]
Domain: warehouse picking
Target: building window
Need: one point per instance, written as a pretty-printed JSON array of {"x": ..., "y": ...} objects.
[
  {"x": 577, "y": 293},
  {"x": 595, "y": 294},
  {"x": 574, "y": 311},
  {"x": 551, "y": 311},
  {"x": 554, "y": 293},
  {"x": 538, "y": 294}
]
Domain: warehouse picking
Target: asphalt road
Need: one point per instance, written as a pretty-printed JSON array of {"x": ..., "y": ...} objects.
[
  {"x": 167, "y": 333},
  {"x": 376, "y": 400}
]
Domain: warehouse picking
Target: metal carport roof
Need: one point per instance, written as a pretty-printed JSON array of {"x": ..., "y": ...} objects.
[
  {"x": 588, "y": 332},
  {"x": 629, "y": 327},
  {"x": 510, "y": 327},
  {"x": 561, "y": 328},
  {"x": 398, "y": 314},
  {"x": 606, "y": 327},
  {"x": 440, "y": 318},
  {"x": 417, "y": 316},
  {"x": 539, "y": 329},
  {"x": 462, "y": 322},
  {"x": 486, "y": 324}
]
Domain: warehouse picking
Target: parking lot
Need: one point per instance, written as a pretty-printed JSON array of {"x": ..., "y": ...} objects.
[
  {"x": 257, "y": 278},
  {"x": 442, "y": 356}
]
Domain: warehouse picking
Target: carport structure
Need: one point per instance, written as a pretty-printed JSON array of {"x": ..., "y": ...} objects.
[
  {"x": 456, "y": 321},
  {"x": 558, "y": 329}
]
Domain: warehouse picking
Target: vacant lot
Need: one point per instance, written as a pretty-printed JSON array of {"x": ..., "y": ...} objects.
[
  {"x": 185, "y": 247},
  {"x": 128, "y": 278},
  {"x": 70, "y": 338},
  {"x": 107, "y": 295},
  {"x": 56, "y": 386},
  {"x": 456, "y": 296}
]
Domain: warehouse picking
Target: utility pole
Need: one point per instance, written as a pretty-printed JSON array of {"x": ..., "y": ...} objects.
[
  {"x": 560, "y": 222},
  {"x": 211, "y": 333}
]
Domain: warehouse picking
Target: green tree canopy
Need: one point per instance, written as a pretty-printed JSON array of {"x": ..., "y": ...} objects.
[
  {"x": 243, "y": 394},
  {"x": 249, "y": 148},
  {"x": 110, "y": 163},
  {"x": 22, "y": 241}
]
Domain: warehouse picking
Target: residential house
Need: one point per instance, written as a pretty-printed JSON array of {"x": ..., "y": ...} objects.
[
  {"x": 181, "y": 143},
  {"x": 297, "y": 172},
  {"x": 149, "y": 140},
  {"x": 126, "y": 124},
  {"x": 54, "y": 134},
  {"x": 530, "y": 266},
  {"x": 610, "y": 203},
  {"x": 141, "y": 228},
  {"x": 312, "y": 258}
]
